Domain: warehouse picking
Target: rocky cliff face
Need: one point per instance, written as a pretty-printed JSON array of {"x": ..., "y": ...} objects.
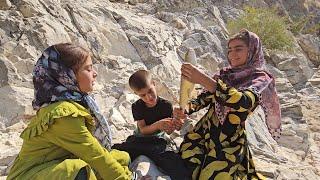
[{"x": 126, "y": 35}]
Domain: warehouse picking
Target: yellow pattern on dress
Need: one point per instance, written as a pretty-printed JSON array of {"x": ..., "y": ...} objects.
[
  {"x": 234, "y": 119},
  {"x": 235, "y": 96},
  {"x": 207, "y": 172}
]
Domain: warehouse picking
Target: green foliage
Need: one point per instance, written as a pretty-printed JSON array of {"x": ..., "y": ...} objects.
[
  {"x": 315, "y": 29},
  {"x": 298, "y": 25},
  {"x": 270, "y": 27},
  {"x": 302, "y": 25}
]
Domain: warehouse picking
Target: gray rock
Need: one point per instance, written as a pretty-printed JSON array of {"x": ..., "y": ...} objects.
[
  {"x": 30, "y": 8},
  {"x": 315, "y": 79},
  {"x": 5, "y": 4},
  {"x": 8, "y": 72},
  {"x": 296, "y": 68},
  {"x": 178, "y": 23},
  {"x": 154, "y": 35},
  {"x": 165, "y": 16},
  {"x": 311, "y": 46},
  {"x": 15, "y": 102}
]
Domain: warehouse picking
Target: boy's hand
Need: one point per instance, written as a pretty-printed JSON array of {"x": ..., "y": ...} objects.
[
  {"x": 166, "y": 125},
  {"x": 178, "y": 123}
]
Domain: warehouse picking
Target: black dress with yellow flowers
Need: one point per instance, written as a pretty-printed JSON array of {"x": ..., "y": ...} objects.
[{"x": 220, "y": 151}]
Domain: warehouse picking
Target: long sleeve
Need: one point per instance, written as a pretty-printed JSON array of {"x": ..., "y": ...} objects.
[
  {"x": 242, "y": 103},
  {"x": 202, "y": 101},
  {"x": 71, "y": 134},
  {"x": 233, "y": 98}
]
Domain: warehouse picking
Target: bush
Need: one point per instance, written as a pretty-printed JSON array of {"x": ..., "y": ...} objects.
[
  {"x": 270, "y": 27},
  {"x": 304, "y": 25}
]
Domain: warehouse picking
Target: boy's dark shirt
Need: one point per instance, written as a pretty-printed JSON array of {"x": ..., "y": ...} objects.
[
  {"x": 163, "y": 109},
  {"x": 155, "y": 147}
]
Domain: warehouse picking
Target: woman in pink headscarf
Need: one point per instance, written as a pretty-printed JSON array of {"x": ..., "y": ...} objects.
[{"x": 217, "y": 147}]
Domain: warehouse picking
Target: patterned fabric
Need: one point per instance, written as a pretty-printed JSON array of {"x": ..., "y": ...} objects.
[
  {"x": 253, "y": 76},
  {"x": 102, "y": 131},
  {"x": 52, "y": 81},
  {"x": 219, "y": 151},
  {"x": 55, "y": 82}
]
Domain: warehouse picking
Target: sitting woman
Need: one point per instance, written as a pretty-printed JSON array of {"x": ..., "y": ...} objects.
[
  {"x": 59, "y": 143},
  {"x": 217, "y": 147}
]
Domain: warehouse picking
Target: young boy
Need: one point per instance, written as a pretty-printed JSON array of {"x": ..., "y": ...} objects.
[{"x": 153, "y": 115}]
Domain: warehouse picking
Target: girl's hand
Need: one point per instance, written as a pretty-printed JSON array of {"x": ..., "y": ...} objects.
[{"x": 191, "y": 73}]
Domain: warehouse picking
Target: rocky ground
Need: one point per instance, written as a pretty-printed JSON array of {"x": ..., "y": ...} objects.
[{"x": 127, "y": 35}]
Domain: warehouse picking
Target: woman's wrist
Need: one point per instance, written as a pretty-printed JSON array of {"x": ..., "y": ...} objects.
[{"x": 208, "y": 83}]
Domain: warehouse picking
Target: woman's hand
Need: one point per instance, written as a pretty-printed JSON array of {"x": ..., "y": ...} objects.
[
  {"x": 195, "y": 75},
  {"x": 178, "y": 118},
  {"x": 191, "y": 73},
  {"x": 178, "y": 123},
  {"x": 178, "y": 113}
]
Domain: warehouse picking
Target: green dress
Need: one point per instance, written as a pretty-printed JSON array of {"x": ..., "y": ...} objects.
[
  {"x": 216, "y": 151},
  {"x": 58, "y": 143}
]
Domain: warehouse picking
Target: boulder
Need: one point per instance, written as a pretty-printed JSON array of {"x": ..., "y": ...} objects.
[
  {"x": 5, "y": 4},
  {"x": 8, "y": 72},
  {"x": 296, "y": 68},
  {"x": 15, "y": 103},
  {"x": 30, "y": 8},
  {"x": 311, "y": 46}
]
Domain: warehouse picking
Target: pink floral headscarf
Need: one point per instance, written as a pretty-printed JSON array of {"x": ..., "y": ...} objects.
[{"x": 253, "y": 76}]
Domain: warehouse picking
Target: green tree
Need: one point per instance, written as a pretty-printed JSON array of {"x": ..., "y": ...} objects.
[{"x": 270, "y": 27}]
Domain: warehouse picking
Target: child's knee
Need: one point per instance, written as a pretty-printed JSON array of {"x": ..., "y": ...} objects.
[{"x": 121, "y": 156}]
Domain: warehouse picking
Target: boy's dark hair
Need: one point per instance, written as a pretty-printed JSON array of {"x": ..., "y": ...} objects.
[
  {"x": 242, "y": 35},
  {"x": 71, "y": 55},
  {"x": 140, "y": 79}
]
